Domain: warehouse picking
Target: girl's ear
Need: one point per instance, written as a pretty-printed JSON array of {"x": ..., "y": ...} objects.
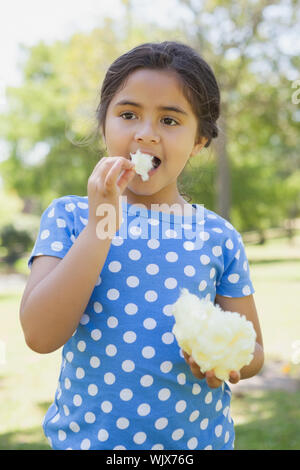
[{"x": 197, "y": 147}]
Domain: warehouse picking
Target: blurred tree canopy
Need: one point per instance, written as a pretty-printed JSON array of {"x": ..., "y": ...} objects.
[{"x": 253, "y": 167}]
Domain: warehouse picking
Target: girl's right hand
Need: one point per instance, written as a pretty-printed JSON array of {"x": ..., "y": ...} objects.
[{"x": 105, "y": 186}]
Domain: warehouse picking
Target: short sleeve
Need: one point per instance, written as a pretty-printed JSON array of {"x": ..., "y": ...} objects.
[
  {"x": 235, "y": 280},
  {"x": 57, "y": 230}
]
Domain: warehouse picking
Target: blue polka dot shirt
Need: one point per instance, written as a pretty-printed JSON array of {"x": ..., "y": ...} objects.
[{"x": 124, "y": 383}]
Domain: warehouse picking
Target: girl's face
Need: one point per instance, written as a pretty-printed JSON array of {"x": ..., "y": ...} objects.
[{"x": 151, "y": 113}]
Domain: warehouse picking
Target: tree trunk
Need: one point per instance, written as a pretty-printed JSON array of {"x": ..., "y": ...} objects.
[{"x": 223, "y": 180}]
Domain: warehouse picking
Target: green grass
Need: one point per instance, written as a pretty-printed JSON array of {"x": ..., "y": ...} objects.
[{"x": 263, "y": 419}]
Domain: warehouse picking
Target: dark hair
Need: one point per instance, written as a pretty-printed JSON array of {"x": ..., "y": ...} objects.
[{"x": 199, "y": 84}]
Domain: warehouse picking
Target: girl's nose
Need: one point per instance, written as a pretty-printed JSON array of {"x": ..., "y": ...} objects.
[{"x": 146, "y": 133}]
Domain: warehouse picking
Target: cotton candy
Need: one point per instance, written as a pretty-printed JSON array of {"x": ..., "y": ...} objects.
[
  {"x": 216, "y": 339},
  {"x": 143, "y": 163}
]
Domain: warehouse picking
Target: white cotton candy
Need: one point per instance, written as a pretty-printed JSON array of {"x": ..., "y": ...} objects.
[
  {"x": 143, "y": 163},
  {"x": 219, "y": 340}
]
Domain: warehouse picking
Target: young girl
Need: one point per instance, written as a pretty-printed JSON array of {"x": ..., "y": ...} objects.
[{"x": 124, "y": 382}]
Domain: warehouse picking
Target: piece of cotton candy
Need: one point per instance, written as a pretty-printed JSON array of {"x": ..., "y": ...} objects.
[
  {"x": 216, "y": 339},
  {"x": 143, "y": 163}
]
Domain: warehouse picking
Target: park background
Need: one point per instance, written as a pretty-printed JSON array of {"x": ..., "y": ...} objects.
[{"x": 54, "y": 55}]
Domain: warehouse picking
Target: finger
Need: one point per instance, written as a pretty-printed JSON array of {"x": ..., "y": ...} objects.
[
  {"x": 115, "y": 170},
  {"x": 125, "y": 179},
  {"x": 185, "y": 355},
  {"x": 212, "y": 380},
  {"x": 234, "y": 377}
]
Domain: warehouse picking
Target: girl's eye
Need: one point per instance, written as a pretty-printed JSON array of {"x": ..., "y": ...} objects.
[
  {"x": 127, "y": 116},
  {"x": 170, "y": 121}
]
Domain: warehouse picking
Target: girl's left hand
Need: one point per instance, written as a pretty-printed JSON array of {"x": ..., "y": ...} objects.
[{"x": 211, "y": 379}]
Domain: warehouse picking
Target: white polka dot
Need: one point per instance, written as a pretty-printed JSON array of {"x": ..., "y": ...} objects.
[
  {"x": 61, "y": 223},
  {"x": 96, "y": 335},
  {"x": 189, "y": 270},
  {"x": 209, "y": 447},
  {"x": 98, "y": 307},
  {"x": 111, "y": 350},
  {"x": 196, "y": 389},
  {"x": 117, "y": 241},
  {"x": 167, "y": 310},
  {"x": 92, "y": 390},
  {"x": 106, "y": 406},
  {"x": 94, "y": 361},
  {"x": 139, "y": 437},
  {"x": 171, "y": 256},
  {"x": 84, "y": 319},
  {"x": 204, "y": 259},
  {"x": 246, "y": 290},
  {"x": 81, "y": 346},
  {"x": 233, "y": 278},
  {"x": 204, "y": 236},
  {"x": 194, "y": 415},
  {"x": 134, "y": 255},
  {"x": 128, "y": 366},
  {"x": 143, "y": 409},
  {"x": 152, "y": 269},
  {"x": 57, "y": 246},
  {"x": 217, "y": 230},
  {"x": 192, "y": 443},
  {"x": 114, "y": 266},
  {"x": 218, "y": 405},
  {"x": 89, "y": 417},
  {"x": 131, "y": 309},
  {"x": 237, "y": 255},
  {"x": 45, "y": 234},
  {"x": 51, "y": 213},
  {"x": 148, "y": 352},
  {"x": 212, "y": 273},
  {"x": 122, "y": 423},
  {"x": 69, "y": 356},
  {"x": 208, "y": 398},
  {"x": 112, "y": 322},
  {"x": 218, "y": 430},
  {"x": 177, "y": 434},
  {"x": 226, "y": 439},
  {"x": 161, "y": 423},
  {"x": 171, "y": 233},
  {"x": 80, "y": 373},
  {"x": 103, "y": 435},
  {"x": 129, "y": 337},
  {"x": 146, "y": 380},
  {"x": 166, "y": 366},
  {"x": 151, "y": 296},
  {"x": 85, "y": 444},
  {"x": 62, "y": 435},
  {"x": 132, "y": 281},
  {"x": 77, "y": 400},
  {"x": 66, "y": 410},
  {"x": 56, "y": 418},
  {"x": 217, "y": 250},
  {"x": 170, "y": 283},
  {"x": 202, "y": 285},
  {"x": 74, "y": 426},
  {"x": 167, "y": 338},
  {"x": 109, "y": 378},
  {"x": 204, "y": 423},
  {"x": 126, "y": 394},
  {"x": 181, "y": 378},
  {"x": 245, "y": 266},
  {"x": 149, "y": 323},
  {"x": 67, "y": 383},
  {"x": 113, "y": 294},
  {"x": 157, "y": 447},
  {"x": 164, "y": 394},
  {"x": 229, "y": 244},
  {"x": 180, "y": 406},
  {"x": 70, "y": 207},
  {"x": 188, "y": 246},
  {"x": 228, "y": 225},
  {"x": 153, "y": 243}
]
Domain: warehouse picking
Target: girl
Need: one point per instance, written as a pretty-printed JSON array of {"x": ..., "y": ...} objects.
[{"x": 107, "y": 295}]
